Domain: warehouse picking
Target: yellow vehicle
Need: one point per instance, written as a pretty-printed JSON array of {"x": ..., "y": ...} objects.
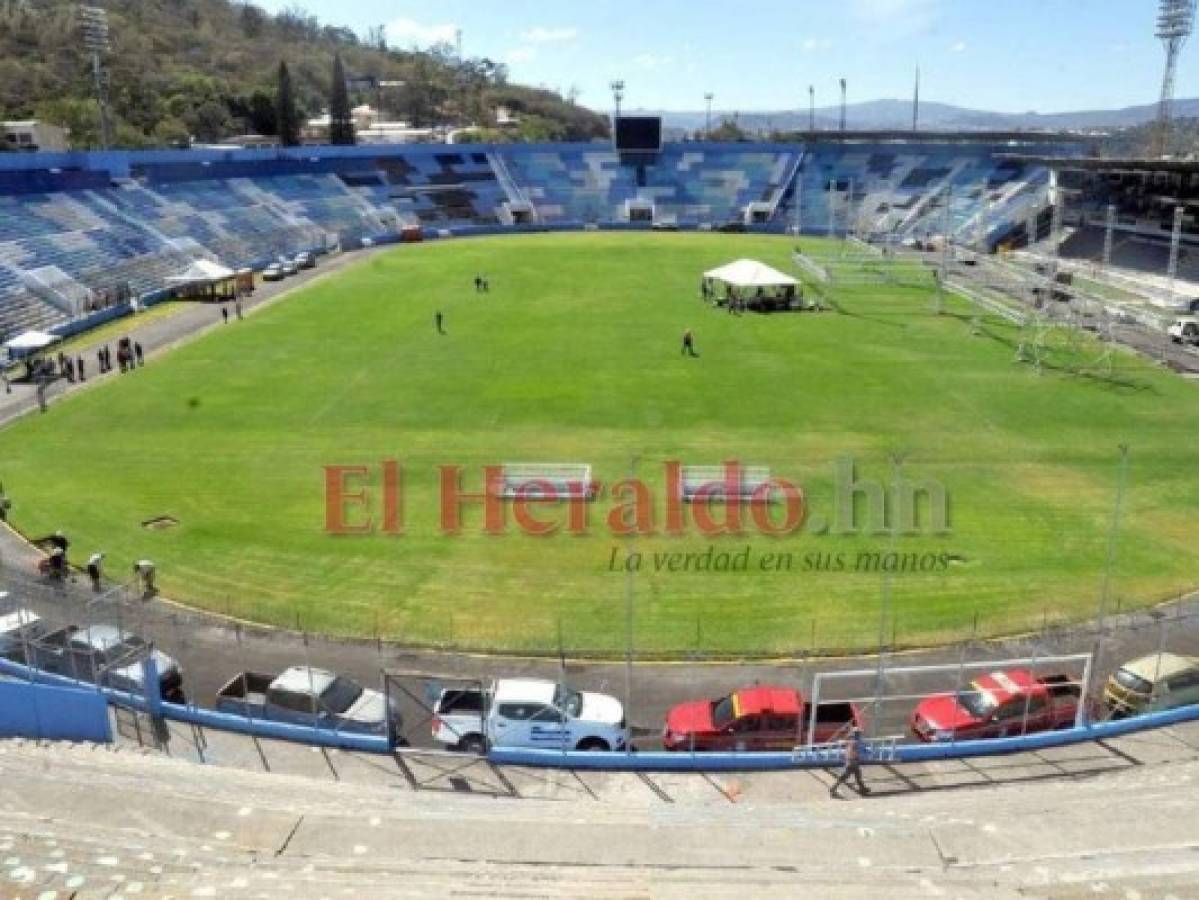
[{"x": 1153, "y": 683}]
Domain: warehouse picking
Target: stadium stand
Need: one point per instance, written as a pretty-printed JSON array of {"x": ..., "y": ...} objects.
[{"x": 79, "y": 229}]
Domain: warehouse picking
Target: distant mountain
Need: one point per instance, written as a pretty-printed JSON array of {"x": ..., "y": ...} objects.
[{"x": 894, "y": 114}]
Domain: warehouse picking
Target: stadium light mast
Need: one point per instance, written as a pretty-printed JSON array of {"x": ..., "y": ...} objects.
[
  {"x": 94, "y": 25},
  {"x": 842, "y": 104},
  {"x": 617, "y": 95},
  {"x": 916, "y": 103},
  {"x": 811, "y": 107},
  {"x": 708, "y": 116},
  {"x": 1175, "y": 22}
]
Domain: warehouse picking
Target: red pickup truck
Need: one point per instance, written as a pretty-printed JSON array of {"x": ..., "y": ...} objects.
[
  {"x": 762, "y": 717},
  {"x": 1001, "y": 704}
]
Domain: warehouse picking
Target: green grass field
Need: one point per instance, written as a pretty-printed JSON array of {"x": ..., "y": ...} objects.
[{"x": 574, "y": 356}]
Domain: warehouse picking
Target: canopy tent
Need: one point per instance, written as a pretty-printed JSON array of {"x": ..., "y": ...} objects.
[
  {"x": 202, "y": 271},
  {"x": 31, "y": 342},
  {"x": 208, "y": 280},
  {"x": 749, "y": 273}
]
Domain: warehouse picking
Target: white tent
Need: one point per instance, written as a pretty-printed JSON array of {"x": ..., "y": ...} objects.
[
  {"x": 202, "y": 271},
  {"x": 749, "y": 273},
  {"x": 31, "y": 342}
]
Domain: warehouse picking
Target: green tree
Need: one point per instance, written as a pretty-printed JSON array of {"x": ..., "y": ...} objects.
[
  {"x": 286, "y": 116},
  {"x": 341, "y": 124}
]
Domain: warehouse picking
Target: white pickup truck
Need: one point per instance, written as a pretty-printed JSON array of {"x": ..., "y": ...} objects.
[
  {"x": 529, "y": 712},
  {"x": 1184, "y": 330}
]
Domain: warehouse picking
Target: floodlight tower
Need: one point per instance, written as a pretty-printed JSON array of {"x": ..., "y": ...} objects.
[
  {"x": 811, "y": 107},
  {"x": 708, "y": 117},
  {"x": 1175, "y": 22},
  {"x": 617, "y": 95},
  {"x": 842, "y": 104},
  {"x": 94, "y": 25}
]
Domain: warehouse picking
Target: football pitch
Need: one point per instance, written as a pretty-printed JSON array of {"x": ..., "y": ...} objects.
[{"x": 573, "y": 356}]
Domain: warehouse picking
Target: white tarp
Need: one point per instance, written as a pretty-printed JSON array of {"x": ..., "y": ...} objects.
[
  {"x": 31, "y": 342},
  {"x": 750, "y": 273},
  {"x": 202, "y": 271}
]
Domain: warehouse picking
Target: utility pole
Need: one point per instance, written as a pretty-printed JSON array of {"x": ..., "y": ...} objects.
[
  {"x": 842, "y": 104},
  {"x": 1175, "y": 247},
  {"x": 811, "y": 107},
  {"x": 708, "y": 116}
]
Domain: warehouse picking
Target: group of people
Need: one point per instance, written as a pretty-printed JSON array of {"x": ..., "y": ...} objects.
[
  {"x": 482, "y": 286},
  {"x": 236, "y": 310},
  {"x": 129, "y": 356},
  {"x": 739, "y": 300},
  {"x": 56, "y": 567},
  {"x": 71, "y": 368}
]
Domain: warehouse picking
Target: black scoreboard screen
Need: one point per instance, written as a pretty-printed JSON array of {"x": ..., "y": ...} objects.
[{"x": 639, "y": 134}]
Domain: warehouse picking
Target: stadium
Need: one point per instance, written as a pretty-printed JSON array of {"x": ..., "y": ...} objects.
[{"x": 498, "y": 455}]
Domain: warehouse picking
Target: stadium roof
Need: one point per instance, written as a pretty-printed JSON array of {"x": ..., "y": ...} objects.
[
  {"x": 1095, "y": 164},
  {"x": 965, "y": 137}
]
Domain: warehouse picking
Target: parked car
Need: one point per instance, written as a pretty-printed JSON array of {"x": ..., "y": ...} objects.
[
  {"x": 303, "y": 695},
  {"x": 1152, "y": 683},
  {"x": 18, "y": 629},
  {"x": 762, "y": 717},
  {"x": 1000, "y": 704},
  {"x": 288, "y": 266},
  {"x": 273, "y": 272},
  {"x": 106, "y": 655},
  {"x": 1184, "y": 330},
  {"x": 529, "y": 712},
  {"x": 304, "y": 260}
]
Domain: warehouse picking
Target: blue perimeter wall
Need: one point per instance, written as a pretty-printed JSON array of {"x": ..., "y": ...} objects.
[{"x": 52, "y": 712}]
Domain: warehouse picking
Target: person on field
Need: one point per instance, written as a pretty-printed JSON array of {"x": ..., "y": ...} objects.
[
  {"x": 478, "y": 284},
  {"x": 137, "y": 353},
  {"x": 438, "y": 322},
  {"x": 225, "y": 313},
  {"x": 94, "y": 562},
  {"x": 79, "y": 369},
  {"x": 852, "y": 768},
  {"x": 59, "y": 541},
  {"x": 689, "y": 344},
  {"x": 143, "y": 569}
]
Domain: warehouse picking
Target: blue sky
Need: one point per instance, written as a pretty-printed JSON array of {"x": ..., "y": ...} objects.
[{"x": 1006, "y": 55}]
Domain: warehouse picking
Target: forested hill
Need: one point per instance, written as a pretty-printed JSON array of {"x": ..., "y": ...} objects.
[{"x": 207, "y": 69}]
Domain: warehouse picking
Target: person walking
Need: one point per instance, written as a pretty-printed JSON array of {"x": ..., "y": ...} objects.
[
  {"x": 437, "y": 321},
  {"x": 137, "y": 353},
  {"x": 79, "y": 369},
  {"x": 225, "y": 313},
  {"x": 689, "y": 344},
  {"x": 94, "y": 562},
  {"x": 853, "y": 748},
  {"x": 237, "y": 308}
]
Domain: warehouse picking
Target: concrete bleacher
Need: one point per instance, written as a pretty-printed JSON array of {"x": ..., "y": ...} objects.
[
  {"x": 268, "y": 819},
  {"x": 93, "y": 222}
]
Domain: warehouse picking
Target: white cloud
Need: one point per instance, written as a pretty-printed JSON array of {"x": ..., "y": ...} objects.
[
  {"x": 652, "y": 61},
  {"x": 406, "y": 32},
  {"x": 542, "y": 35},
  {"x": 959, "y": 47}
]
